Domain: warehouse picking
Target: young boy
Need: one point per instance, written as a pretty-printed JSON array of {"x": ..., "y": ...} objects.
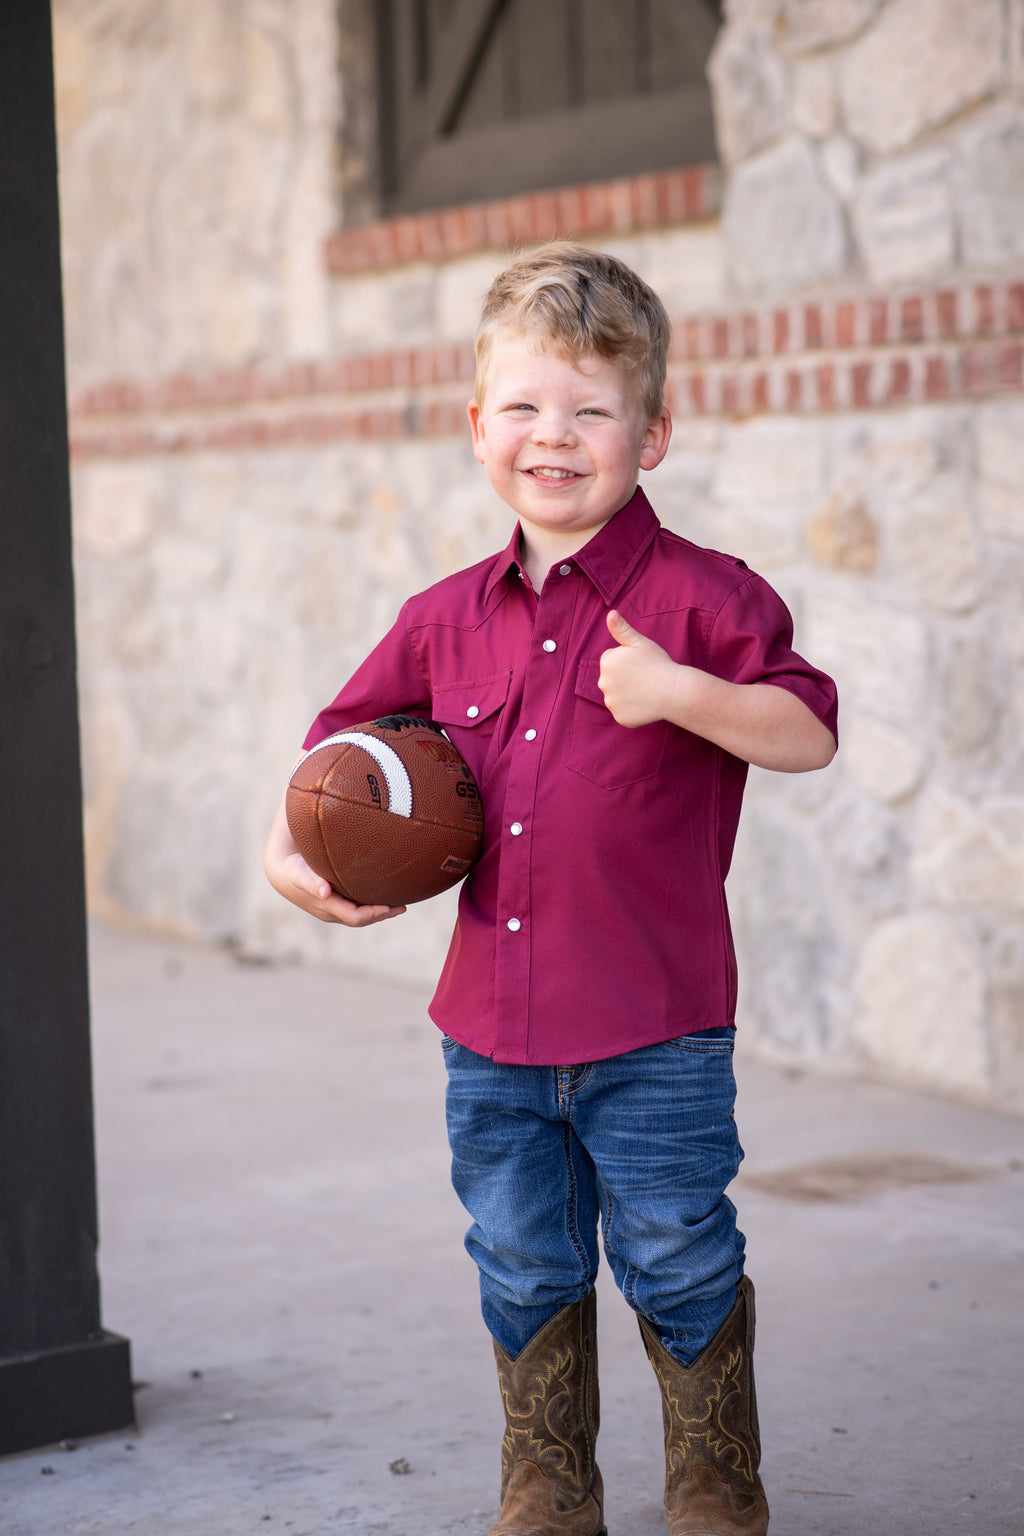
[{"x": 607, "y": 682}]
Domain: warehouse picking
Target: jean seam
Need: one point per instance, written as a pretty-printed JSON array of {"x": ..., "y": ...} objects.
[{"x": 572, "y": 1229}]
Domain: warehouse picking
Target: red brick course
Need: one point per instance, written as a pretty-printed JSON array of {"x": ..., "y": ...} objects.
[
  {"x": 607, "y": 207},
  {"x": 850, "y": 353}
]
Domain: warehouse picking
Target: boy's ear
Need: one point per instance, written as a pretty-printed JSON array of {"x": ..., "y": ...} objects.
[
  {"x": 476, "y": 426},
  {"x": 656, "y": 440}
]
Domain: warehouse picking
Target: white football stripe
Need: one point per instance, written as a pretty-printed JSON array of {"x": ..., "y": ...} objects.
[{"x": 387, "y": 760}]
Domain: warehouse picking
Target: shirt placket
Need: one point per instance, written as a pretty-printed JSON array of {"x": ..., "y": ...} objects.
[{"x": 519, "y": 909}]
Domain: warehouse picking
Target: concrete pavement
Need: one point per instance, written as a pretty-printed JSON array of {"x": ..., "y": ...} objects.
[{"x": 279, "y": 1242}]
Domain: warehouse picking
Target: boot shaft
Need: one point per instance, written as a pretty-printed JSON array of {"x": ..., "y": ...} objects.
[
  {"x": 549, "y": 1476},
  {"x": 712, "y": 1438}
]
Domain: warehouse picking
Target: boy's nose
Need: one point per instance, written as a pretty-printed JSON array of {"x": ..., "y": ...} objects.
[{"x": 553, "y": 429}]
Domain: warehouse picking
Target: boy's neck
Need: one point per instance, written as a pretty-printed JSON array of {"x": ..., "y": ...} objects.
[{"x": 541, "y": 548}]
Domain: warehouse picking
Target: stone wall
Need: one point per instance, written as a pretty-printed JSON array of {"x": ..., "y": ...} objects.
[{"x": 269, "y": 453}]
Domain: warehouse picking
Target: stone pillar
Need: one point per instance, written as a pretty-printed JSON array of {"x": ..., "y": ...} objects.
[{"x": 61, "y": 1375}]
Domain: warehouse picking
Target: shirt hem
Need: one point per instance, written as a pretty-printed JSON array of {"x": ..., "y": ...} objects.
[{"x": 570, "y": 1058}]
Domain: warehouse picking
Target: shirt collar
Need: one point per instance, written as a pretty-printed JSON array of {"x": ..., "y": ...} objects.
[
  {"x": 506, "y": 564},
  {"x": 610, "y": 557}
]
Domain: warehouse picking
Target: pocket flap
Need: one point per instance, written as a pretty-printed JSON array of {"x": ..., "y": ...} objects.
[
  {"x": 587, "y": 685},
  {"x": 469, "y": 704}
]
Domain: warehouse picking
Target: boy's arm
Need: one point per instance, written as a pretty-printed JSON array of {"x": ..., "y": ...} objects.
[
  {"x": 387, "y": 682},
  {"x": 763, "y": 723},
  {"x": 292, "y": 878}
]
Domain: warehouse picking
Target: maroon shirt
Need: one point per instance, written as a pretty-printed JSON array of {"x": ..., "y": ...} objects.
[{"x": 595, "y": 921}]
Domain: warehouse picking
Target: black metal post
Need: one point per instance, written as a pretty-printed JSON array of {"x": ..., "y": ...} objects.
[{"x": 61, "y": 1374}]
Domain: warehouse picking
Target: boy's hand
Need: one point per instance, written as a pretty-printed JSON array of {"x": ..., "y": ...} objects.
[
  {"x": 761, "y": 723},
  {"x": 293, "y": 879},
  {"x": 637, "y": 677}
]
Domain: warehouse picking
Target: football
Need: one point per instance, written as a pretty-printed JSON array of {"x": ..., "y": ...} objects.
[{"x": 388, "y": 812}]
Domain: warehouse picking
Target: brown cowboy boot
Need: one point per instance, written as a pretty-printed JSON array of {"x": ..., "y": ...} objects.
[
  {"x": 550, "y": 1485},
  {"x": 712, "y": 1444}
]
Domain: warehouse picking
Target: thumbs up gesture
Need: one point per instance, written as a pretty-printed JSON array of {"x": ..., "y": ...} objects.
[{"x": 637, "y": 677}]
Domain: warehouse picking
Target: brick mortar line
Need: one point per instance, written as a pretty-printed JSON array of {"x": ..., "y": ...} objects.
[{"x": 969, "y": 312}]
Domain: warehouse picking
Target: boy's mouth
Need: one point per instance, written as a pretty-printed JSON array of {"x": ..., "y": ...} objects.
[{"x": 547, "y": 472}]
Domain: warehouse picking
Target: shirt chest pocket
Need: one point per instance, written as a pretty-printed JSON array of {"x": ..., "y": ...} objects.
[
  {"x": 602, "y": 750},
  {"x": 470, "y": 712}
]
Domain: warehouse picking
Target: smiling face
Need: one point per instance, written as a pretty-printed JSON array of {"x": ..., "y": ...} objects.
[{"x": 562, "y": 443}]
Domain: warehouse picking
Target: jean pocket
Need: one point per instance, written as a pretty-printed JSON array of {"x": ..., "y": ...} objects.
[
  {"x": 709, "y": 1042},
  {"x": 600, "y": 749}
]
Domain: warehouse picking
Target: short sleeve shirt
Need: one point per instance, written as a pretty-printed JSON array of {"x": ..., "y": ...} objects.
[{"x": 595, "y": 921}]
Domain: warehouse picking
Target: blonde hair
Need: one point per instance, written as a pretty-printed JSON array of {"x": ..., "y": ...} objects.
[{"x": 580, "y": 301}]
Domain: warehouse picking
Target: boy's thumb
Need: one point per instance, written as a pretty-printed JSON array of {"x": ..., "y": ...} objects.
[{"x": 621, "y": 630}]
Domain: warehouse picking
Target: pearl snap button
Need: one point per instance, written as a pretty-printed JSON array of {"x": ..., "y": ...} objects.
[
  {"x": 516, "y": 828},
  {"x": 551, "y": 645},
  {"x": 565, "y": 570},
  {"x": 473, "y": 711},
  {"x": 514, "y": 924},
  {"x": 531, "y": 735}
]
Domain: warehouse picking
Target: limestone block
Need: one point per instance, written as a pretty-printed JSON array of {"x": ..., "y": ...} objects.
[
  {"x": 117, "y": 506},
  {"x": 188, "y": 567},
  {"x": 920, "y": 1002},
  {"x": 972, "y": 708},
  {"x": 877, "y": 653},
  {"x": 886, "y": 762},
  {"x": 461, "y": 287},
  {"x": 913, "y": 470},
  {"x": 922, "y": 62},
  {"x": 805, "y": 25},
  {"x": 841, "y": 161},
  {"x": 75, "y": 68},
  {"x": 270, "y": 84},
  {"x": 119, "y": 629},
  {"x": 212, "y": 58},
  {"x": 897, "y": 456},
  {"x": 680, "y": 489},
  {"x": 970, "y": 854},
  {"x": 791, "y": 952},
  {"x": 867, "y": 852},
  {"x": 305, "y": 288},
  {"x": 989, "y": 180},
  {"x": 815, "y": 97},
  {"x": 843, "y": 534},
  {"x": 189, "y": 884},
  {"x": 686, "y": 268},
  {"x": 1011, "y": 632},
  {"x": 750, "y": 90},
  {"x": 1000, "y": 430},
  {"x": 217, "y": 217},
  {"x": 770, "y": 469},
  {"x": 784, "y": 226},
  {"x": 903, "y": 218},
  {"x": 412, "y": 303},
  {"x": 770, "y": 460},
  {"x": 360, "y": 314},
  {"x": 934, "y": 545}
]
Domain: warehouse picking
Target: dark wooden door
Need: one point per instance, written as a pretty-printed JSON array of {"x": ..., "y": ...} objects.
[{"x": 485, "y": 98}]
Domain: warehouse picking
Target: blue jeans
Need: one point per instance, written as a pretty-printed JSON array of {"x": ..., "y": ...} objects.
[{"x": 645, "y": 1141}]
